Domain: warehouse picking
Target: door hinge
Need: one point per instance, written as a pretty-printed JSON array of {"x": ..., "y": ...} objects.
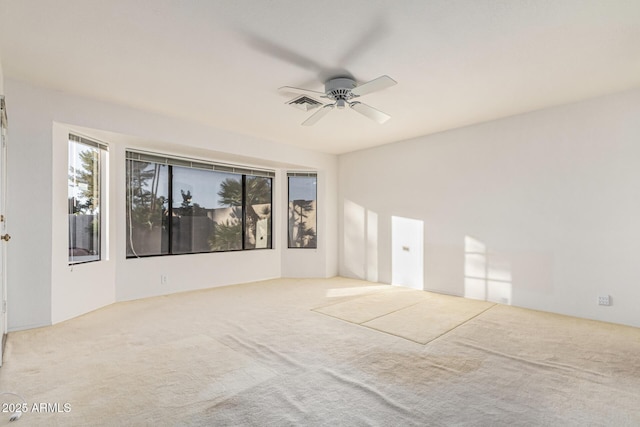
[{"x": 4, "y": 306}]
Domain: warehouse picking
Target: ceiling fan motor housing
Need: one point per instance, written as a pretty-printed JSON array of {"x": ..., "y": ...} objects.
[{"x": 340, "y": 90}]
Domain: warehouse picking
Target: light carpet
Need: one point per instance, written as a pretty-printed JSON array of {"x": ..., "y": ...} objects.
[
  {"x": 305, "y": 352},
  {"x": 415, "y": 315}
]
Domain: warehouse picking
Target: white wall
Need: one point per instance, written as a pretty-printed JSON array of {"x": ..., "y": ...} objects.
[
  {"x": 299, "y": 261},
  {"x": 83, "y": 287},
  {"x": 554, "y": 196},
  {"x": 43, "y": 289}
]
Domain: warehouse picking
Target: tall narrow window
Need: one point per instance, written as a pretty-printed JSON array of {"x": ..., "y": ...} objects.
[
  {"x": 86, "y": 158},
  {"x": 302, "y": 210}
]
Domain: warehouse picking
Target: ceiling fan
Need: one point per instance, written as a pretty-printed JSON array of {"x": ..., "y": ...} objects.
[{"x": 344, "y": 91}]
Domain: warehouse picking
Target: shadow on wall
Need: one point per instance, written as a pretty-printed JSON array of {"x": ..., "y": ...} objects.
[
  {"x": 361, "y": 247},
  {"x": 487, "y": 276}
]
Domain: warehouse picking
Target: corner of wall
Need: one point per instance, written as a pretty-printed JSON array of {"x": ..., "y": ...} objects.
[
  {"x": 550, "y": 194},
  {"x": 49, "y": 290},
  {"x": 81, "y": 288},
  {"x": 320, "y": 262}
]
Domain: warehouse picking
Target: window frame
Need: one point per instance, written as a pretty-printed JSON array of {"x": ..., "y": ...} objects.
[
  {"x": 302, "y": 175},
  {"x": 244, "y": 214},
  {"x": 102, "y": 210},
  {"x": 170, "y": 162}
]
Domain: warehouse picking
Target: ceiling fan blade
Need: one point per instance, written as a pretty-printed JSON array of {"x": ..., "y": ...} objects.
[
  {"x": 313, "y": 119},
  {"x": 370, "y": 112},
  {"x": 299, "y": 91},
  {"x": 374, "y": 85},
  {"x": 281, "y": 52},
  {"x": 367, "y": 40}
]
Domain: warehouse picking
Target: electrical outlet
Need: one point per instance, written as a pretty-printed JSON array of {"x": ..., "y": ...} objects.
[
  {"x": 604, "y": 300},
  {"x": 163, "y": 279}
]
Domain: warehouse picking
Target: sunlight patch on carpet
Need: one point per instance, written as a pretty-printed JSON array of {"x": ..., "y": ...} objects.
[
  {"x": 415, "y": 315},
  {"x": 429, "y": 319},
  {"x": 363, "y": 309},
  {"x": 355, "y": 291}
]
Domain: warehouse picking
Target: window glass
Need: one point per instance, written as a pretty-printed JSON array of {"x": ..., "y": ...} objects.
[
  {"x": 207, "y": 211},
  {"x": 147, "y": 208},
  {"x": 302, "y": 212},
  {"x": 257, "y": 212},
  {"x": 182, "y": 206},
  {"x": 84, "y": 202}
]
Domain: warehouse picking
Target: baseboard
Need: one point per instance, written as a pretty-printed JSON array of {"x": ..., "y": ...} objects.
[
  {"x": 4, "y": 342},
  {"x": 25, "y": 327}
]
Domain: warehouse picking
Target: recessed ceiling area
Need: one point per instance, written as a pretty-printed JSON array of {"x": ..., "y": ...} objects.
[{"x": 221, "y": 63}]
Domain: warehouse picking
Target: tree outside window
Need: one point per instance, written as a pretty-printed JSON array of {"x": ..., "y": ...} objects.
[
  {"x": 84, "y": 197},
  {"x": 302, "y": 211}
]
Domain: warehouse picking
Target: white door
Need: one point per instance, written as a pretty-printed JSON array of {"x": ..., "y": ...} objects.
[{"x": 3, "y": 225}]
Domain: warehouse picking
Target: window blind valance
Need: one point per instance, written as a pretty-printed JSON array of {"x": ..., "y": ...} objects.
[
  {"x": 89, "y": 142},
  {"x": 143, "y": 156},
  {"x": 307, "y": 174}
]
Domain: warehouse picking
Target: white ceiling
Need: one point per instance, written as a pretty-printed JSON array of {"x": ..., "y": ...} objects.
[{"x": 221, "y": 62}]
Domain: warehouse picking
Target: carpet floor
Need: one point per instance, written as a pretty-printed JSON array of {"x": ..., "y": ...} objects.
[{"x": 307, "y": 352}]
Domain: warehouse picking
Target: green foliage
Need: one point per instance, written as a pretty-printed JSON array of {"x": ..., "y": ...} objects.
[
  {"x": 145, "y": 207},
  {"x": 226, "y": 236},
  {"x": 147, "y": 210},
  {"x": 305, "y": 237},
  {"x": 86, "y": 179},
  {"x": 258, "y": 192},
  {"x": 230, "y": 192}
]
